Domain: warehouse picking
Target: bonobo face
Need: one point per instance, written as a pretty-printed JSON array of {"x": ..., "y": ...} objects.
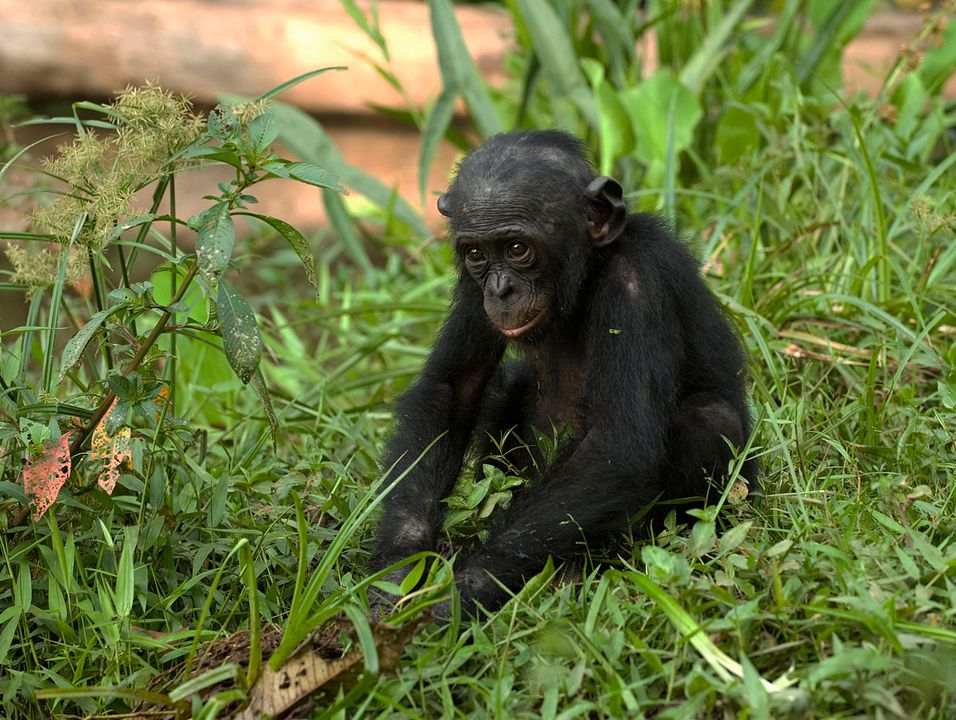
[
  {"x": 506, "y": 262},
  {"x": 529, "y": 220}
]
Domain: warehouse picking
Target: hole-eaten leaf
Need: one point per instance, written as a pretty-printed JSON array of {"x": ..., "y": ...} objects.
[{"x": 44, "y": 476}]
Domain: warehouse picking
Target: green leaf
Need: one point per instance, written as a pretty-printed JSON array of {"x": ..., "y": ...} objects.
[
  {"x": 665, "y": 566},
  {"x": 228, "y": 672},
  {"x": 345, "y": 230},
  {"x": 706, "y": 59},
  {"x": 702, "y": 537},
  {"x": 117, "y": 417},
  {"x": 755, "y": 694},
  {"x": 841, "y": 22},
  {"x": 9, "y": 620},
  {"x": 122, "y": 387},
  {"x": 125, "y": 584},
  {"x": 722, "y": 664},
  {"x": 762, "y": 63},
  {"x": 214, "y": 245},
  {"x": 650, "y": 105},
  {"x": 939, "y": 61},
  {"x": 435, "y": 126},
  {"x": 164, "y": 288},
  {"x": 617, "y": 136},
  {"x": 779, "y": 548},
  {"x": 277, "y": 167},
  {"x": 737, "y": 132},
  {"x": 122, "y": 227},
  {"x": 296, "y": 240},
  {"x": 309, "y": 172},
  {"x": 210, "y": 153},
  {"x": 77, "y": 344},
  {"x": 370, "y": 29},
  {"x": 49, "y": 354},
  {"x": 222, "y": 124},
  {"x": 458, "y": 71},
  {"x": 618, "y": 37},
  {"x": 269, "y": 94},
  {"x": 217, "y": 505},
  {"x": 258, "y": 383},
  {"x": 553, "y": 46},
  {"x": 241, "y": 342},
  {"x": 909, "y": 99},
  {"x": 263, "y": 130},
  {"x": 732, "y": 539},
  {"x": 947, "y": 393}
]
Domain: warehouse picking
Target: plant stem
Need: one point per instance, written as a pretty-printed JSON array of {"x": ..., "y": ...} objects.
[
  {"x": 124, "y": 268},
  {"x": 100, "y": 301},
  {"x": 104, "y": 406},
  {"x": 171, "y": 378}
]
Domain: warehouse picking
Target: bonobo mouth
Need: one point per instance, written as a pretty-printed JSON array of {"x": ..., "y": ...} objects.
[{"x": 523, "y": 329}]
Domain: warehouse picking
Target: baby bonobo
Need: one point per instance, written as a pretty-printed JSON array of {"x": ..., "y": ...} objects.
[{"x": 623, "y": 345}]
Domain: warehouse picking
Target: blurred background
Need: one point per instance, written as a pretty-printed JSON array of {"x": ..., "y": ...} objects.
[{"x": 53, "y": 52}]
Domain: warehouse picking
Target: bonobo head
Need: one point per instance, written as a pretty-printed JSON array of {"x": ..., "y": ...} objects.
[{"x": 527, "y": 214}]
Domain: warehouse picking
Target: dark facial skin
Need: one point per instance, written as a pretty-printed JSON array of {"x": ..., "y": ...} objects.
[
  {"x": 623, "y": 345},
  {"x": 506, "y": 267},
  {"x": 509, "y": 257}
]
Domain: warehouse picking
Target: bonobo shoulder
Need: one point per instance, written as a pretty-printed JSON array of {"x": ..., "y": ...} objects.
[
  {"x": 650, "y": 238},
  {"x": 649, "y": 225},
  {"x": 650, "y": 230}
]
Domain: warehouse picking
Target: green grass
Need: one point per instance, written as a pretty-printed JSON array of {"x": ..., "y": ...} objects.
[{"x": 831, "y": 592}]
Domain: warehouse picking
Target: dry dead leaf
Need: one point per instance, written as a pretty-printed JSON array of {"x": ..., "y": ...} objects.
[
  {"x": 276, "y": 692},
  {"x": 738, "y": 493}
]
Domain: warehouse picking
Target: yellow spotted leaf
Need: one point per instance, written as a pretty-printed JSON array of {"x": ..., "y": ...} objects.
[{"x": 110, "y": 451}]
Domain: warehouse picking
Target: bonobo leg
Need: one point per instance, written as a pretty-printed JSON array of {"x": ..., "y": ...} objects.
[
  {"x": 505, "y": 438},
  {"x": 590, "y": 498},
  {"x": 698, "y": 448},
  {"x": 581, "y": 501}
]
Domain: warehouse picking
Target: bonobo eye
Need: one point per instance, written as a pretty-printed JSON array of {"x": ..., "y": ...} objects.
[
  {"x": 518, "y": 251},
  {"x": 474, "y": 255}
]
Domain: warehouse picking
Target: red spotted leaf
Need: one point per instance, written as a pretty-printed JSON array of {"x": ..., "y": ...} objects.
[{"x": 44, "y": 476}]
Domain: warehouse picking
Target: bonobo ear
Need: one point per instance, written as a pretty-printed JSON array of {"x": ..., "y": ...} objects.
[
  {"x": 607, "y": 211},
  {"x": 444, "y": 206}
]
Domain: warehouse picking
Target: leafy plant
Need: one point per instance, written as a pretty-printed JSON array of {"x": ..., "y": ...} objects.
[{"x": 146, "y": 138}]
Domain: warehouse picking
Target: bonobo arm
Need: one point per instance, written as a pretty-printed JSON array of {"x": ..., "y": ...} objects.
[
  {"x": 615, "y": 470},
  {"x": 443, "y": 402}
]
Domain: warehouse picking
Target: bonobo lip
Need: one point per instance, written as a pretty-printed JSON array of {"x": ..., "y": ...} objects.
[{"x": 528, "y": 326}]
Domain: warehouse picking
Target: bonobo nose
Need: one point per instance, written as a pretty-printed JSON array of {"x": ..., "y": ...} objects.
[{"x": 500, "y": 284}]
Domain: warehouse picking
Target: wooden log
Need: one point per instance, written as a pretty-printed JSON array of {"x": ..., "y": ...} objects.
[{"x": 92, "y": 48}]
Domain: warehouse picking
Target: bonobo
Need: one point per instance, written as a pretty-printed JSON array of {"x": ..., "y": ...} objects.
[{"x": 623, "y": 344}]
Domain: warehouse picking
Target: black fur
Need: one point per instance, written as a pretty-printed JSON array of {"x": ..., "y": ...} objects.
[{"x": 633, "y": 354}]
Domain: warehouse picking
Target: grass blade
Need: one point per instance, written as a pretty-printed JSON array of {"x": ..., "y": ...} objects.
[
  {"x": 269, "y": 94},
  {"x": 553, "y": 47},
  {"x": 49, "y": 355},
  {"x": 459, "y": 74},
  {"x": 435, "y": 126},
  {"x": 725, "y": 666},
  {"x": 705, "y": 61}
]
